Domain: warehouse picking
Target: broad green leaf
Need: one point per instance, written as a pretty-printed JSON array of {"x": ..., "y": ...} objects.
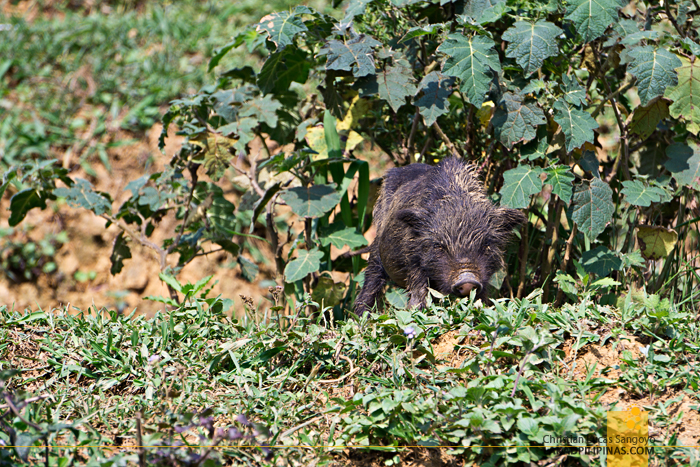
[
  {"x": 519, "y": 184},
  {"x": 263, "y": 109},
  {"x": 592, "y": 17},
  {"x": 248, "y": 268},
  {"x": 654, "y": 69},
  {"x": 686, "y": 96},
  {"x": 328, "y": 292},
  {"x": 436, "y": 88},
  {"x": 684, "y": 163},
  {"x": 531, "y": 43},
  {"x": 120, "y": 252},
  {"x": 281, "y": 27},
  {"x": 515, "y": 121},
  {"x": 330, "y": 135},
  {"x": 536, "y": 149},
  {"x": 577, "y": 125},
  {"x": 589, "y": 162},
  {"x": 355, "y": 55},
  {"x": 637, "y": 194},
  {"x": 312, "y": 201},
  {"x": 600, "y": 261},
  {"x": 534, "y": 86},
  {"x": 305, "y": 263},
  {"x": 171, "y": 281},
  {"x": 647, "y": 118},
  {"x": 650, "y": 159},
  {"x": 473, "y": 60},
  {"x": 356, "y": 7},
  {"x": 562, "y": 180},
  {"x": 282, "y": 68},
  {"x": 422, "y": 31},
  {"x": 22, "y": 201},
  {"x": 216, "y": 148},
  {"x": 574, "y": 93},
  {"x": 656, "y": 242},
  {"x": 592, "y": 207},
  {"x": 397, "y": 298},
  {"x": 692, "y": 46},
  {"x": 338, "y": 235},
  {"x": 81, "y": 194},
  {"x": 221, "y": 214},
  {"x": 484, "y": 11},
  {"x": 638, "y": 36},
  {"x": 396, "y": 83}
]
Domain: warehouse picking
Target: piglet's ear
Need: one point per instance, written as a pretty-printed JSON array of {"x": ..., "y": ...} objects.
[
  {"x": 414, "y": 218},
  {"x": 510, "y": 219}
]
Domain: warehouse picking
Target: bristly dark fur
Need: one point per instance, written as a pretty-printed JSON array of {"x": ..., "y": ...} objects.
[{"x": 434, "y": 223}]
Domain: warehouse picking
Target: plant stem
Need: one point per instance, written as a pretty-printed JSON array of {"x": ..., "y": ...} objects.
[{"x": 565, "y": 263}]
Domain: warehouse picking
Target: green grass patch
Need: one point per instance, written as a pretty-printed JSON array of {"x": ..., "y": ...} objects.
[{"x": 297, "y": 389}]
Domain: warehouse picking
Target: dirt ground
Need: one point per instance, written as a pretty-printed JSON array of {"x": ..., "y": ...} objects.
[{"x": 89, "y": 247}]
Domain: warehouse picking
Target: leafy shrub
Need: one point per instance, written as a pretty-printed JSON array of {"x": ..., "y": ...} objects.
[{"x": 585, "y": 120}]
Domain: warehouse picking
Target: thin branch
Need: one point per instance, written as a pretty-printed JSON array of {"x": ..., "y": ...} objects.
[
  {"x": 408, "y": 154},
  {"x": 620, "y": 90},
  {"x": 28, "y": 401},
  {"x": 193, "y": 174},
  {"x": 565, "y": 263},
  {"x": 447, "y": 141},
  {"x": 672, "y": 19}
]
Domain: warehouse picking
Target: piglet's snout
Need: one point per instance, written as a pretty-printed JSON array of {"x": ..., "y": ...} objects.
[{"x": 465, "y": 284}]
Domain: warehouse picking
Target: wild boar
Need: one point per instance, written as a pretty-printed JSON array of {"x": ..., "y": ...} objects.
[{"x": 435, "y": 228}]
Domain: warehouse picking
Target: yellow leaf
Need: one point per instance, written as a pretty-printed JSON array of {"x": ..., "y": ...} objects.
[
  {"x": 354, "y": 139},
  {"x": 656, "y": 242},
  {"x": 358, "y": 109},
  {"x": 485, "y": 112},
  {"x": 316, "y": 139}
]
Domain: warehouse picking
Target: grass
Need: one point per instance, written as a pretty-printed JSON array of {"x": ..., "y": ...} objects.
[
  {"x": 299, "y": 390},
  {"x": 70, "y": 79}
]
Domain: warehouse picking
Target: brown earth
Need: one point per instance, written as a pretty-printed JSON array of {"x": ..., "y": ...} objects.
[{"x": 90, "y": 244}]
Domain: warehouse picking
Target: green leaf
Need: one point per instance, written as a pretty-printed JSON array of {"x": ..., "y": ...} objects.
[
  {"x": 262, "y": 203},
  {"x": 436, "y": 88},
  {"x": 600, "y": 261},
  {"x": 282, "y": 68},
  {"x": 312, "y": 201},
  {"x": 171, "y": 281},
  {"x": 592, "y": 17},
  {"x": 484, "y": 11},
  {"x": 577, "y": 125},
  {"x": 82, "y": 194},
  {"x": 471, "y": 59},
  {"x": 531, "y": 43},
  {"x": 574, "y": 93},
  {"x": 684, "y": 163},
  {"x": 654, "y": 69},
  {"x": 692, "y": 46},
  {"x": 281, "y": 27},
  {"x": 327, "y": 292},
  {"x": 638, "y": 36},
  {"x": 592, "y": 207},
  {"x": 22, "y": 201},
  {"x": 562, "y": 180},
  {"x": 422, "y": 31},
  {"x": 338, "y": 235},
  {"x": 637, "y": 194},
  {"x": 515, "y": 121},
  {"x": 519, "y": 184},
  {"x": 120, "y": 252},
  {"x": 396, "y": 83},
  {"x": 656, "y": 242},
  {"x": 263, "y": 109},
  {"x": 331, "y": 136},
  {"x": 355, "y": 55},
  {"x": 647, "y": 118},
  {"x": 397, "y": 298},
  {"x": 221, "y": 213},
  {"x": 356, "y": 7},
  {"x": 535, "y": 149},
  {"x": 248, "y": 268},
  {"x": 305, "y": 263},
  {"x": 686, "y": 96}
]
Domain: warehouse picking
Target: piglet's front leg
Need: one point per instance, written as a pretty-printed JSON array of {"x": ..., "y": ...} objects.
[{"x": 417, "y": 289}]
